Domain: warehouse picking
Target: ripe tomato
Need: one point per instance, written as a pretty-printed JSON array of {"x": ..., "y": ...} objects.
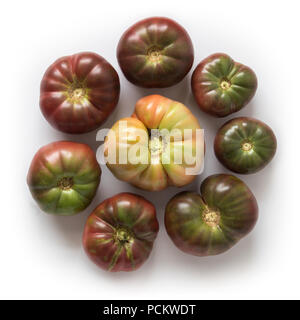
[
  {"x": 119, "y": 234},
  {"x": 79, "y": 92},
  {"x": 245, "y": 145},
  {"x": 155, "y": 53},
  {"x": 222, "y": 86},
  {"x": 158, "y": 161},
  {"x": 63, "y": 177},
  {"x": 211, "y": 223}
]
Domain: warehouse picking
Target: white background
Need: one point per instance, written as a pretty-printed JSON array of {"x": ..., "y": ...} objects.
[{"x": 41, "y": 255}]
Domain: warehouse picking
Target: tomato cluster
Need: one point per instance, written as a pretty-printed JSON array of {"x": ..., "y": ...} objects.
[{"x": 79, "y": 92}]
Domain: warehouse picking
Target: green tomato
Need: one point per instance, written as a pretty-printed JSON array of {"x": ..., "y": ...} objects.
[
  {"x": 211, "y": 223},
  {"x": 63, "y": 177},
  {"x": 222, "y": 86},
  {"x": 245, "y": 145}
]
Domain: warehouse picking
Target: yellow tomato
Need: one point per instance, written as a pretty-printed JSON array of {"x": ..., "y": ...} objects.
[{"x": 158, "y": 146}]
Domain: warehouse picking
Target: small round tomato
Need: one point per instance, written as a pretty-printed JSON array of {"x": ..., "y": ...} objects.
[
  {"x": 119, "y": 234},
  {"x": 245, "y": 145},
  {"x": 211, "y": 223},
  {"x": 79, "y": 92},
  {"x": 157, "y": 147},
  {"x": 63, "y": 177},
  {"x": 222, "y": 86},
  {"x": 155, "y": 53}
]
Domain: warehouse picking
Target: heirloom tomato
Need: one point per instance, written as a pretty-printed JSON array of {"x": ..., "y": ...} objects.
[
  {"x": 119, "y": 234},
  {"x": 245, "y": 145},
  {"x": 158, "y": 146},
  {"x": 211, "y": 223},
  {"x": 79, "y": 92},
  {"x": 155, "y": 53},
  {"x": 63, "y": 177},
  {"x": 222, "y": 86}
]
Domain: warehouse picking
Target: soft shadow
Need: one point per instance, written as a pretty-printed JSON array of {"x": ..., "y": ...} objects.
[
  {"x": 69, "y": 228},
  {"x": 242, "y": 254}
]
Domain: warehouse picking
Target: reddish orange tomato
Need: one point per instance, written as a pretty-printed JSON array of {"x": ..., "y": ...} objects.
[{"x": 156, "y": 163}]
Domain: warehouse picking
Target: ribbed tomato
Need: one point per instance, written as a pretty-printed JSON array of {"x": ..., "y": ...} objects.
[
  {"x": 119, "y": 234},
  {"x": 63, "y": 177},
  {"x": 156, "y": 161},
  {"x": 155, "y": 53},
  {"x": 222, "y": 86},
  {"x": 211, "y": 223},
  {"x": 79, "y": 92}
]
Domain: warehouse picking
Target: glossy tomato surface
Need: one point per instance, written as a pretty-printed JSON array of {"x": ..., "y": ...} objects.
[
  {"x": 155, "y": 53},
  {"x": 79, "y": 92},
  {"x": 119, "y": 234},
  {"x": 211, "y": 223},
  {"x": 151, "y": 162},
  {"x": 63, "y": 177},
  {"x": 245, "y": 145},
  {"x": 222, "y": 86}
]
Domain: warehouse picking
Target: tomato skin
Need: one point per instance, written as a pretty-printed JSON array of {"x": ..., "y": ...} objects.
[
  {"x": 79, "y": 92},
  {"x": 119, "y": 234},
  {"x": 154, "y": 112},
  {"x": 211, "y": 223},
  {"x": 63, "y": 177},
  {"x": 222, "y": 86},
  {"x": 155, "y": 53},
  {"x": 245, "y": 145}
]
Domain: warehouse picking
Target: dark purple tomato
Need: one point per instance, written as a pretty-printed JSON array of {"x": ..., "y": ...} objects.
[
  {"x": 245, "y": 145},
  {"x": 222, "y": 86},
  {"x": 211, "y": 223},
  {"x": 63, "y": 177},
  {"x": 119, "y": 234},
  {"x": 155, "y": 53},
  {"x": 79, "y": 92}
]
